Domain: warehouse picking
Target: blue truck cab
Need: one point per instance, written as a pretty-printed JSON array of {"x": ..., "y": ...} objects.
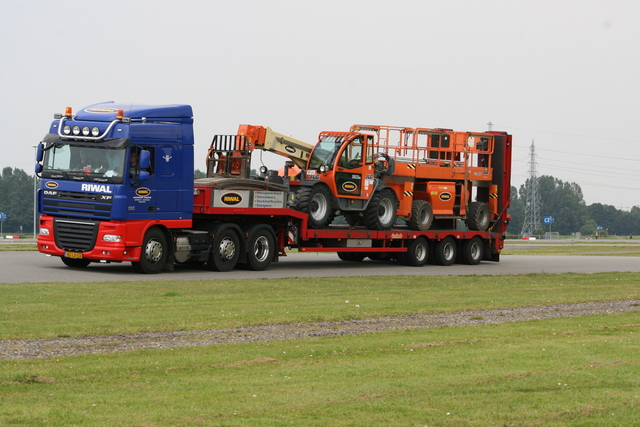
[{"x": 113, "y": 166}]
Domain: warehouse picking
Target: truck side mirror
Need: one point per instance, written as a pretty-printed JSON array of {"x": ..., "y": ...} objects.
[
  {"x": 145, "y": 159},
  {"x": 38, "y": 168},
  {"x": 39, "y": 152},
  {"x": 143, "y": 175}
]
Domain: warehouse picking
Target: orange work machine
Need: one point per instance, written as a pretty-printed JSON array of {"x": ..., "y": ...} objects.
[{"x": 429, "y": 178}]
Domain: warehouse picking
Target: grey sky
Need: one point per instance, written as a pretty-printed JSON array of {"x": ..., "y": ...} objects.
[{"x": 563, "y": 73}]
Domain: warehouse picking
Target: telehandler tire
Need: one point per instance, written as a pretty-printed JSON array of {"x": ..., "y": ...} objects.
[
  {"x": 381, "y": 213},
  {"x": 317, "y": 202},
  {"x": 421, "y": 215}
]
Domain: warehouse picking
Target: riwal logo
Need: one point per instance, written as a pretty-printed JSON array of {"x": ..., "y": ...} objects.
[
  {"x": 51, "y": 184},
  {"x": 349, "y": 186},
  {"x": 231, "y": 199},
  {"x": 96, "y": 188},
  {"x": 143, "y": 192}
]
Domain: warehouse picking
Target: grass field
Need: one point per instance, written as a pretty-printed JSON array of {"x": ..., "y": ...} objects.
[{"x": 582, "y": 371}]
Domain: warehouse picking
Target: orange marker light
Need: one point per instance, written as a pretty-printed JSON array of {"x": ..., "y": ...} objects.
[
  {"x": 68, "y": 112},
  {"x": 120, "y": 114}
]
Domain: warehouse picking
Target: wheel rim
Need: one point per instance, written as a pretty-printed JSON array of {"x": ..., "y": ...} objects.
[
  {"x": 227, "y": 249},
  {"x": 474, "y": 250},
  {"x": 318, "y": 208},
  {"x": 261, "y": 249},
  {"x": 153, "y": 251},
  {"x": 420, "y": 252},
  {"x": 447, "y": 251},
  {"x": 385, "y": 211}
]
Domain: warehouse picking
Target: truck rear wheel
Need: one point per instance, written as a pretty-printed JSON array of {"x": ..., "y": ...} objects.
[
  {"x": 225, "y": 250},
  {"x": 444, "y": 252},
  {"x": 417, "y": 253},
  {"x": 381, "y": 212},
  {"x": 472, "y": 251},
  {"x": 421, "y": 215},
  {"x": 261, "y": 248},
  {"x": 478, "y": 216},
  {"x": 317, "y": 202},
  {"x": 154, "y": 253}
]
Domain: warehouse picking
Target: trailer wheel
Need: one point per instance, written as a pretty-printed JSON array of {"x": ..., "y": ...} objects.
[
  {"x": 478, "y": 216},
  {"x": 225, "y": 250},
  {"x": 417, "y": 253},
  {"x": 75, "y": 263},
  {"x": 381, "y": 212},
  {"x": 444, "y": 252},
  {"x": 261, "y": 248},
  {"x": 472, "y": 251},
  {"x": 421, "y": 215},
  {"x": 352, "y": 256},
  {"x": 154, "y": 253},
  {"x": 316, "y": 201}
]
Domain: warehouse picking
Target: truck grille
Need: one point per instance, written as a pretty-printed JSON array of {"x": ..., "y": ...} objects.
[
  {"x": 88, "y": 205},
  {"x": 74, "y": 235}
]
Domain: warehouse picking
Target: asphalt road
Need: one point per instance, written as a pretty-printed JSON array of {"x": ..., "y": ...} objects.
[{"x": 30, "y": 266}]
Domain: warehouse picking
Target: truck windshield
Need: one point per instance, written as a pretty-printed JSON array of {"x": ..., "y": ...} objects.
[
  {"x": 325, "y": 151},
  {"x": 82, "y": 163}
]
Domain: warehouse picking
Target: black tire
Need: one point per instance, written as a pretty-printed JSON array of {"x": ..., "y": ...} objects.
[
  {"x": 472, "y": 251},
  {"x": 261, "y": 247},
  {"x": 381, "y": 211},
  {"x": 417, "y": 253},
  {"x": 225, "y": 250},
  {"x": 318, "y": 203},
  {"x": 352, "y": 256},
  {"x": 154, "y": 254},
  {"x": 444, "y": 251},
  {"x": 478, "y": 216},
  {"x": 353, "y": 218},
  {"x": 75, "y": 263},
  {"x": 421, "y": 215}
]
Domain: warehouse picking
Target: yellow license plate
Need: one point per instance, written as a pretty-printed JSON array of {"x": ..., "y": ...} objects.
[{"x": 76, "y": 255}]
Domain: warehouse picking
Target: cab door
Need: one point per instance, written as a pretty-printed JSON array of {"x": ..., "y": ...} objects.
[{"x": 355, "y": 168}]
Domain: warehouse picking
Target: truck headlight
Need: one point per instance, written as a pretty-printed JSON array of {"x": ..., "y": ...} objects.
[
  {"x": 44, "y": 231},
  {"x": 112, "y": 238}
]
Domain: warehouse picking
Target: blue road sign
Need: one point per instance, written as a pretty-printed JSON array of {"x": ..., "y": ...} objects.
[
  {"x": 3, "y": 216},
  {"x": 549, "y": 219}
]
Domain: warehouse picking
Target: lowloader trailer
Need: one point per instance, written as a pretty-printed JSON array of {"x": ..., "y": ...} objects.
[{"x": 117, "y": 185}]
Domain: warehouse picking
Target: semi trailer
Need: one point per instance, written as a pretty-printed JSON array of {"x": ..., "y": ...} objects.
[{"x": 117, "y": 185}]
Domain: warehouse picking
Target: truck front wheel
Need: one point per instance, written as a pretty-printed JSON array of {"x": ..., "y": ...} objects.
[
  {"x": 225, "y": 250},
  {"x": 154, "y": 253}
]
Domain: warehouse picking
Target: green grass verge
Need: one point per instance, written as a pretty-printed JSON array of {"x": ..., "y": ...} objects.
[
  {"x": 18, "y": 247},
  {"x": 47, "y": 310},
  {"x": 581, "y": 249},
  {"x": 561, "y": 372}
]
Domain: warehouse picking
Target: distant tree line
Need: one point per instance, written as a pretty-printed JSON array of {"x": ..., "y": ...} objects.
[
  {"x": 562, "y": 200},
  {"x": 565, "y": 202},
  {"x": 16, "y": 200}
]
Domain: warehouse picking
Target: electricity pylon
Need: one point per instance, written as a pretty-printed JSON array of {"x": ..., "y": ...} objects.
[{"x": 532, "y": 200}]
